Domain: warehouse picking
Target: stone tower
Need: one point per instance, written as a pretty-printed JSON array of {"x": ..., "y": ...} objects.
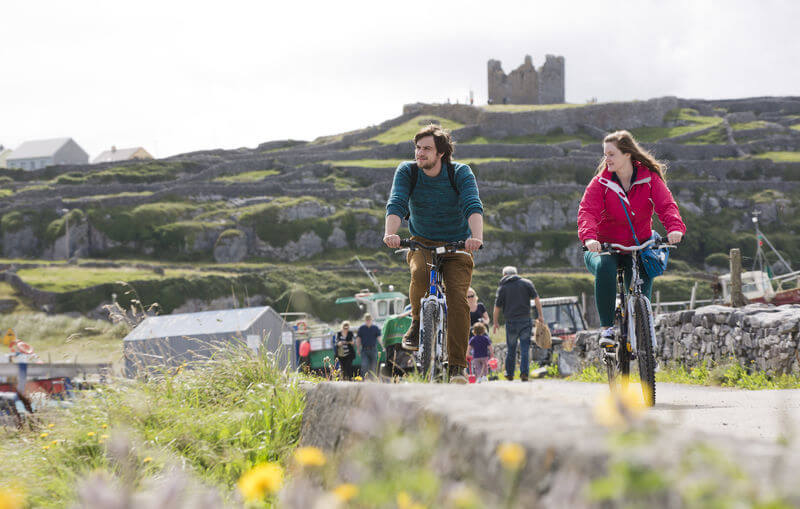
[{"x": 526, "y": 85}]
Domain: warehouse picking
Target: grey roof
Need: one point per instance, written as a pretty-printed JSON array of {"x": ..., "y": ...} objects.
[
  {"x": 38, "y": 148},
  {"x": 197, "y": 324},
  {"x": 120, "y": 154}
]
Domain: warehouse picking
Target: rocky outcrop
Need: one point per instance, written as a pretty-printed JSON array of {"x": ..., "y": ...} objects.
[{"x": 230, "y": 247}]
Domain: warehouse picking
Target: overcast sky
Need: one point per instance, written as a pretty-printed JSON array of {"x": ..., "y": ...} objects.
[{"x": 177, "y": 76}]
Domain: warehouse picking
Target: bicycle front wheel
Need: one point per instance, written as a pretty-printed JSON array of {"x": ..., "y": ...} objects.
[
  {"x": 427, "y": 336},
  {"x": 645, "y": 354}
]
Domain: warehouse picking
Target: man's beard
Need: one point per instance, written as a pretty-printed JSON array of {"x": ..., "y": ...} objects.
[{"x": 427, "y": 165}]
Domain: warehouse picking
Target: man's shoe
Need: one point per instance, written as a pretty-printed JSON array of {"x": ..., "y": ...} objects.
[
  {"x": 523, "y": 378},
  {"x": 607, "y": 338},
  {"x": 411, "y": 337},
  {"x": 509, "y": 377},
  {"x": 457, "y": 375}
]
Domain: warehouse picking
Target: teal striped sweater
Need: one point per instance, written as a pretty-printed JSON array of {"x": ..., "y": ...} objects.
[{"x": 436, "y": 211}]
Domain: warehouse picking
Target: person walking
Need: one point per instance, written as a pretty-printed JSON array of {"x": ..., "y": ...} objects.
[
  {"x": 439, "y": 197},
  {"x": 514, "y": 296},
  {"x": 367, "y": 346},
  {"x": 627, "y": 188},
  {"x": 477, "y": 310},
  {"x": 345, "y": 350},
  {"x": 482, "y": 351}
]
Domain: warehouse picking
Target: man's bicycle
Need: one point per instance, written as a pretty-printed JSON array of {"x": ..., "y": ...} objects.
[
  {"x": 635, "y": 336},
  {"x": 433, "y": 312}
]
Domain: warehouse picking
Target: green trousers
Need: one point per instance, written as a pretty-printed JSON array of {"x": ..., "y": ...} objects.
[{"x": 604, "y": 269}]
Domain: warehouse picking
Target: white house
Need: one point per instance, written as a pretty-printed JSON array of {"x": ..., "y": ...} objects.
[
  {"x": 122, "y": 154},
  {"x": 4, "y": 153},
  {"x": 32, "y": 155}
]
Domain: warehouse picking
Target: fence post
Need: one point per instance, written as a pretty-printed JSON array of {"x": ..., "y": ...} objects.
[
  {"x": 658, "y": 302},
  {"x": 692, "y": 298},
  {"x": 737, "y": 297}
]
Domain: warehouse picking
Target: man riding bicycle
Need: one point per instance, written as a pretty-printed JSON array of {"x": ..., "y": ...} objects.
[{"x": 442, "y": 205}]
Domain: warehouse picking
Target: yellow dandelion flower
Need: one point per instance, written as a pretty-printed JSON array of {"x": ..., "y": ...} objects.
[
  {"x": 103, "y": 436},
  {"x": 147, "y": 459},
  {"x": 11, "y": 499},
  {"x": 404, "y": 501},
  {"x": 91, "y": 434},
  {"x": 695, "y": 354},
  {"x": 44, "y": 435},
  {"x": 512, "y": 455},
  {"x": 45, "y": 447},
  {"x": 104, "y": 426},
  {"x": 309, "y": 457},
  {"x": 616, "y": 410},
  {"x": 345, "y": 492},
  {"x": 261, "y": 480},
  {"x": 54, "y": 442},
  {"x": 51, "y": 425},
  {"x": 357, "y": 378}
]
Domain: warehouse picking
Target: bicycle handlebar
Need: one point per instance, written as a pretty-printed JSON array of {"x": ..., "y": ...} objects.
[
  {"x": 609, "y": 247},
  {"x": 448, "y": 247}
]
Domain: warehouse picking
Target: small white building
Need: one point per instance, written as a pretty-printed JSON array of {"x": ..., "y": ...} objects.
[
  {"x": 122, "y": 154},
  {"x": 4, "y": 153},
  {"x": 32, "y": 155}
]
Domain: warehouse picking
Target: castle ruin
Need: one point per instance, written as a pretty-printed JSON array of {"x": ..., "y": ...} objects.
[{"x": 526, "y": 84}]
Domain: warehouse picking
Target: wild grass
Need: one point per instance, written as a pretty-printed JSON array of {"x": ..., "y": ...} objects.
[
  {"x": 729, "y": 373},
  {"x": 213, "y": 422},
  {"x": 780, "y": 157},
  {"x": 407, "y": 130},
  {"x": 248, "y": 176},
  {"x": 64, "y": 338}
]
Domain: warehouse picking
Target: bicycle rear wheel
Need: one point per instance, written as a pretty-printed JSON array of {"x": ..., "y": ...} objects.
[
  {"x": 618, "y": 367},
  {"x": 427, "y": 336},
  {"x": 645, "y": 354}
]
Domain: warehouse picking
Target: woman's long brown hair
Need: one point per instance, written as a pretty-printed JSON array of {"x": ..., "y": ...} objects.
[{"x": 627, "y": 145}]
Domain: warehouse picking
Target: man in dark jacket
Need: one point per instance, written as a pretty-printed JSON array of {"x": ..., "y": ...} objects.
[{"x": 514, "y": 297}]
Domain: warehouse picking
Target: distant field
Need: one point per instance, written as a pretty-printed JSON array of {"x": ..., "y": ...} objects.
[
  {"x": 61, "y": 338},
  {"x": 697, "y": 123},
  {"x": 781, "y": 157},
  {"x": 63, "y": 279},
  {"x": 248, "y": 176},
  {"x": 407, "y": 130},
  {"x": 535, "y": 139}
]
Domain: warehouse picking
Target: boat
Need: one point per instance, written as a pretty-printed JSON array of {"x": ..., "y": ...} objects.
[{"x": 759, "y": 285}]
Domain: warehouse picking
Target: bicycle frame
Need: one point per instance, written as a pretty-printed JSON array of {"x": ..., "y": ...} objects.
[{"x": 436, "y": 294}]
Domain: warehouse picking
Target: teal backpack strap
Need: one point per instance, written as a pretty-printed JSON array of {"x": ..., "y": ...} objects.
[{"x": 629, "y": 221}]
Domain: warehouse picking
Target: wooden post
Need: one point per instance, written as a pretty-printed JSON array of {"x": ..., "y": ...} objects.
[
  {"x": 583, "y": 304},
  {"x": 737, "y": 297},
  {"x": 658, "y": 302},
  {"x": 692, "y": 298}
]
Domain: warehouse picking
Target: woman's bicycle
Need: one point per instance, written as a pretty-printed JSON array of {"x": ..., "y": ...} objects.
[
  {"x": 433, "y": 313},
  {"x": 635, "y": 336}
]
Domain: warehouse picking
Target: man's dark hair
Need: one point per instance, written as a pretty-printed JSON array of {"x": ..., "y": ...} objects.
[{"x": 444, "y": 143}]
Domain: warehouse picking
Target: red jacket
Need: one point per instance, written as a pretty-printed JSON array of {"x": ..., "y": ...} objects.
[{"x": 601, "y": 216}]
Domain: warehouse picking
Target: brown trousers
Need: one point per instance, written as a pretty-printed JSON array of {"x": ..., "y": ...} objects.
[{"x": 456, "y": 279}]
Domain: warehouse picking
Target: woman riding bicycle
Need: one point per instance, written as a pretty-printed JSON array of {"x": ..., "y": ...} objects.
[{"x": 628, "y": 186}]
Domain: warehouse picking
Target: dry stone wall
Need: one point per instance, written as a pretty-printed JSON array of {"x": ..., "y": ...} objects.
[{"x": 759, "y": 336}]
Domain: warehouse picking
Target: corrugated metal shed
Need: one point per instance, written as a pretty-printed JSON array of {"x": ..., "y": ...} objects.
[
  {"x": 171, "y": 340},
  {"x": 197, "y": 324}
]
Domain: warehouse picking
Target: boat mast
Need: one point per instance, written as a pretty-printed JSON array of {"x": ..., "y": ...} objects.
[
  {"x": 760, "y": 259},
  {"x": 369, "y": 273}
]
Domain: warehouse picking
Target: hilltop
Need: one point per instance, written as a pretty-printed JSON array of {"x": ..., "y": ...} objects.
[{"x": 316, "y": 204}]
